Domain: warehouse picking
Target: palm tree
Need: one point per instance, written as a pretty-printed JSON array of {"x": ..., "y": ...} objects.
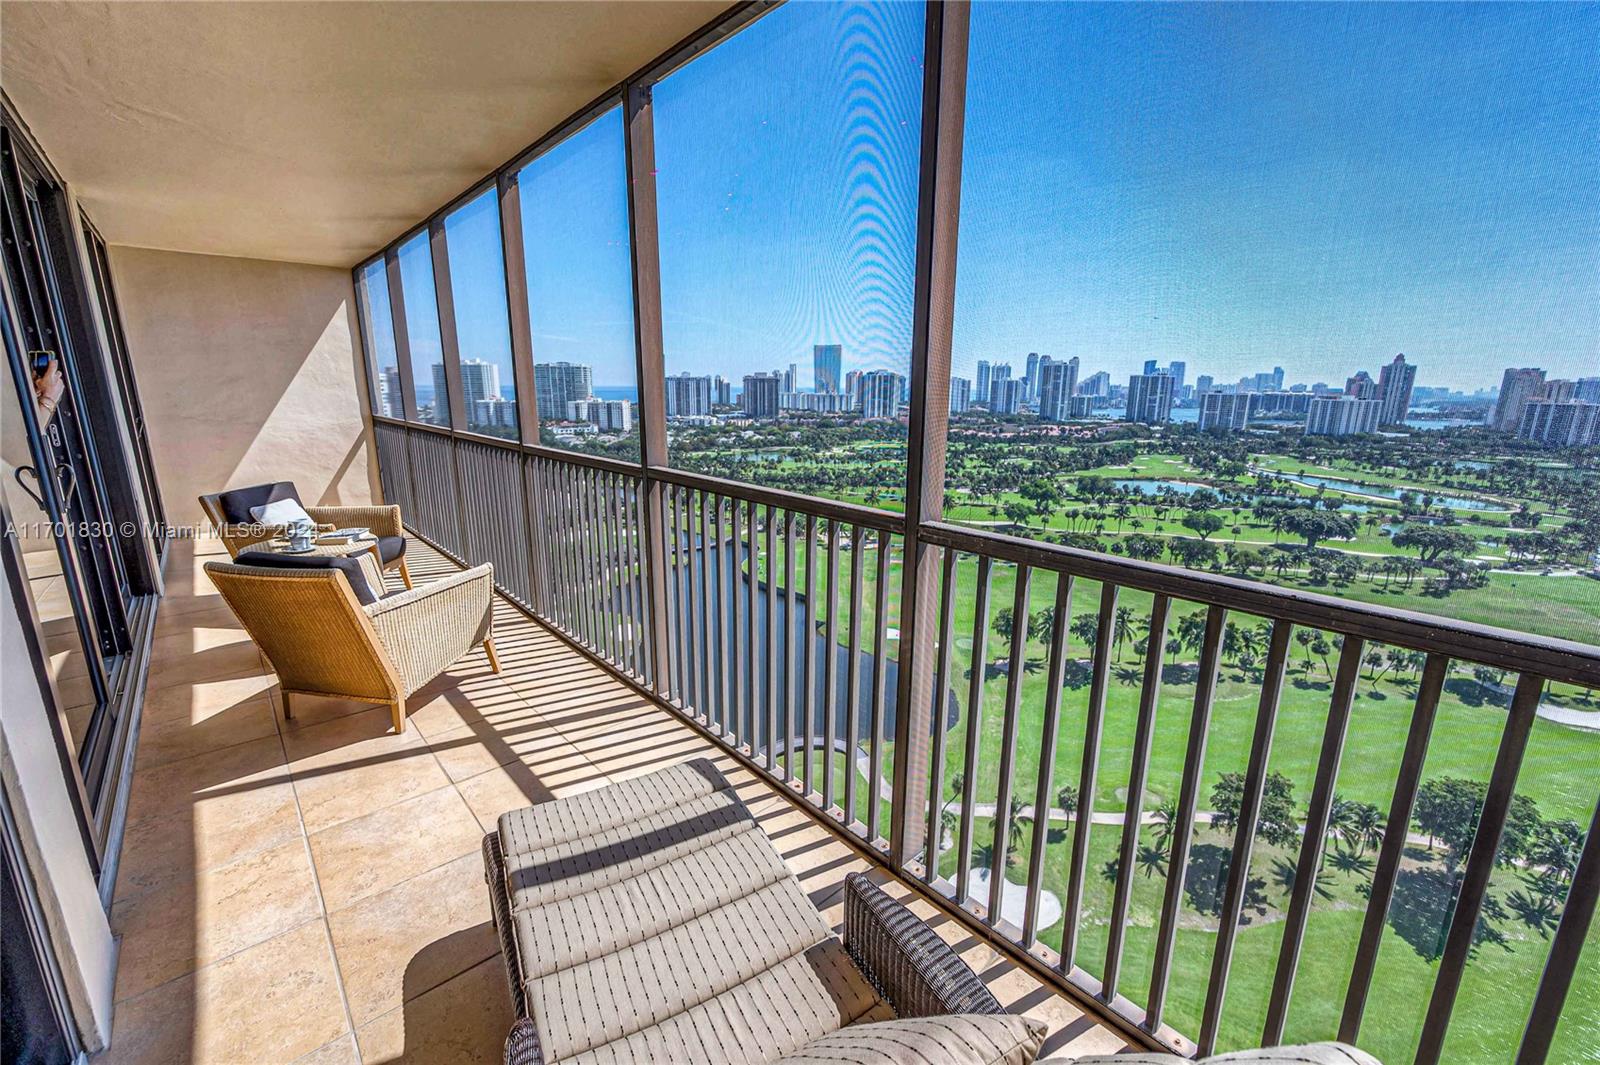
[
  {"x": 1067, "y": 799},
  {"x": 1165, "y": 824},
  {"x": 1152, "y": 860},
  {"x": 1123, "y": 626},
  {"x": 1303, "y": 637}
]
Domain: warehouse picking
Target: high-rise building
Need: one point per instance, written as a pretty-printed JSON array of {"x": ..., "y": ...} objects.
[
  {"x": 1342, "y": 415},
  {"x": 1005, "y": 394},
  {"x": 1149, "y": 367},
  {"x": 495, "y": 413},
  {"x": 555, "y": 384},
  {"x": 790, "y": 377},
  {"x": 721, "y": 391},
  {"x": 815, "y": 402},
  {"x": 1150, "y": 398},
  {"x": 1030, "y": 377},
  {"x": 1222, "y": 410},
  {"x": 479, "y": 380},
  {"x": 391, "y": 400},
  {"x": 1096, "y": 384},
  {"x": 607, "y": 415},
  {"x": 983, "y": 383},
  {"x": 1517, "y": 387},
  {"x": 688, "y": 395},
  {"x": 880, "y": 394},
  {"x": 998, "y": 373},
  {"x": 1560, "y": 423},
  {"x": 441, "y": 397},
  {"x": 1559, "y": 390},
  {"x": 1277, "y": 379},
  {"x": 1394, "y": 390},
  {"x": 1203, "y": 383},
  {"x": 1283, "y": 402},
  {"x": 1058, "y": 382},
  {"x": 1587, "y": 390},
  {"x": 760, "y": 398},
  {"x": 1361, "y": 386},
  {"x": 960, "y": 395},
  {"x": 827, "y": 363},
  {"x": 852, "y": 388},
  {"x": 1177, "y": 370}
]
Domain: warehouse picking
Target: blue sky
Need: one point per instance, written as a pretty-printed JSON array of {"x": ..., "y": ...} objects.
[{"x": 1236, "y": 186}]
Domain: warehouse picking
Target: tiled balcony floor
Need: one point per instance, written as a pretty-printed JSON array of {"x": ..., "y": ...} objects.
[{"x": 311, "y": 891}]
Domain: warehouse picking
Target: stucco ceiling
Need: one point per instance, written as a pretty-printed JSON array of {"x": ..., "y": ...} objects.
[{"x": 310, "y": 132}]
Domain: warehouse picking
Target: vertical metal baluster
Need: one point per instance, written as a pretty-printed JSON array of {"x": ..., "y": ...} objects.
[
  {"x": 608, "y": 566},
  {"x": 736, "y": 612},
  {"x": 636, "y": 494},
  {"x": 1312, "y": 841},
  {"x": 852, "y": 682},
  {"x": 790, "y": 648},
  {"x": 1205, "y": 691},
  {"x": 1480, "y": 865},
  {"x": 692, "y": 651},
  {"x": 772, "y": 639},
  {"x": 1008, "y": 743},
  {"x": 941, "y": 701},
  {"x": 1565, "y": 949},
  {"x": 1396, "y": 828},
  {"x": 680, "y": 608},
  {"x": 1255, "y": 782},
  {"x": 752, "y": 649},
  {"x": 591, "y": 554},
  {"x": 1055, "y": 678},
  {"x": 969, "y": 757},
  {"x": 1084, "y": 816},
  {"x": 1133, "y": 809},
  {"x": 808, "y": 645},
  {"x": 707, "y": 696},
  {"x": 567, "y": 486},
  {"x": 830, "y": 656},
  {"x": 625, "y": 564},
  {"x": 725, "y": 720},
  {"x": 880, "y": 635}
]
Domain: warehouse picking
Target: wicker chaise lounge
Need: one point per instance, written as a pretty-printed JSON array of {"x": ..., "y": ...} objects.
[{"x": 654, "y": 921}]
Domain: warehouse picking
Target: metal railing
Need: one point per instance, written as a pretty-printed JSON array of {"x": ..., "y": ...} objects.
[{"x": 778, "y": 615}]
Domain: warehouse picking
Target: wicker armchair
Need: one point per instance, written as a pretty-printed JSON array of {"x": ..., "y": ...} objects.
[
  {"x": 230, "y": 515},
  {"x": 322, "y": 640}
]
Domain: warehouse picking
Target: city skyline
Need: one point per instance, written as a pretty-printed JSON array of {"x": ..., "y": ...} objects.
[{"x": 1193, "y": 221}]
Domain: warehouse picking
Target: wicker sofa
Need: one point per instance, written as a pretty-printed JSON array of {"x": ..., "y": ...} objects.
[
  {"x": 230, "y": 515},
  {"x": 327, "y": 630}
]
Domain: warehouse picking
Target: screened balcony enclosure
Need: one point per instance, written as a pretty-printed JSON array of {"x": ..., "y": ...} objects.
[{"x": 1195, "y": 717}]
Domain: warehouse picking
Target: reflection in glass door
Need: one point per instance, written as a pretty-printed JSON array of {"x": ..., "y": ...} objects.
[{"x": 54, "y": 488}]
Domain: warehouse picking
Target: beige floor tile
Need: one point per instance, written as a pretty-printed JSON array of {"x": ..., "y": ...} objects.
[
  {"x": 194, "y": 919},
  {"x": 212, "y": 612},
  {"x": 223, "y": 781},
  {"x": 368, "y": 854},
  {"x": 341, "y": 1051},
  {"x": 226, "y": 662},
  {"x": 463, "y": 1021},
  {"x": 194, "y": 702},
  {"x": 468, "y": 751},
  {"x": 171, "y": 738},
  {"x": 210, "y": 833},
  {"x": 193, "y": 639},
  {"x": 271, "y": 1003},
  {"x": 513, "y": 786},
  {"x": 354, "y": 765},
  {"x": 471, "y": 702},
  {"x": 312, "y": 710},
  {"x": 399, "y": 943}
]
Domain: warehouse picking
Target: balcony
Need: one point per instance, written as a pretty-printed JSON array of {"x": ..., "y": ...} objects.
[
  {"x": 312, "y": 889},
  {"x": 1157, "y": 806}
]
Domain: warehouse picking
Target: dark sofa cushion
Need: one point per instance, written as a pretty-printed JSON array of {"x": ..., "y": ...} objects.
[
  {"x": 391, "y": 547},
  {"x": 350, "y": 567},
  {"x": 236, "y": 503}
]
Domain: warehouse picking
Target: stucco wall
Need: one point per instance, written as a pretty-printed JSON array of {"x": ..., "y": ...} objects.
[{"x": 249, "y": 371}]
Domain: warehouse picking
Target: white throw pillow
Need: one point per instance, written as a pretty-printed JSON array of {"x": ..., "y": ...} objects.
[{"x": 280, "y": 512}]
